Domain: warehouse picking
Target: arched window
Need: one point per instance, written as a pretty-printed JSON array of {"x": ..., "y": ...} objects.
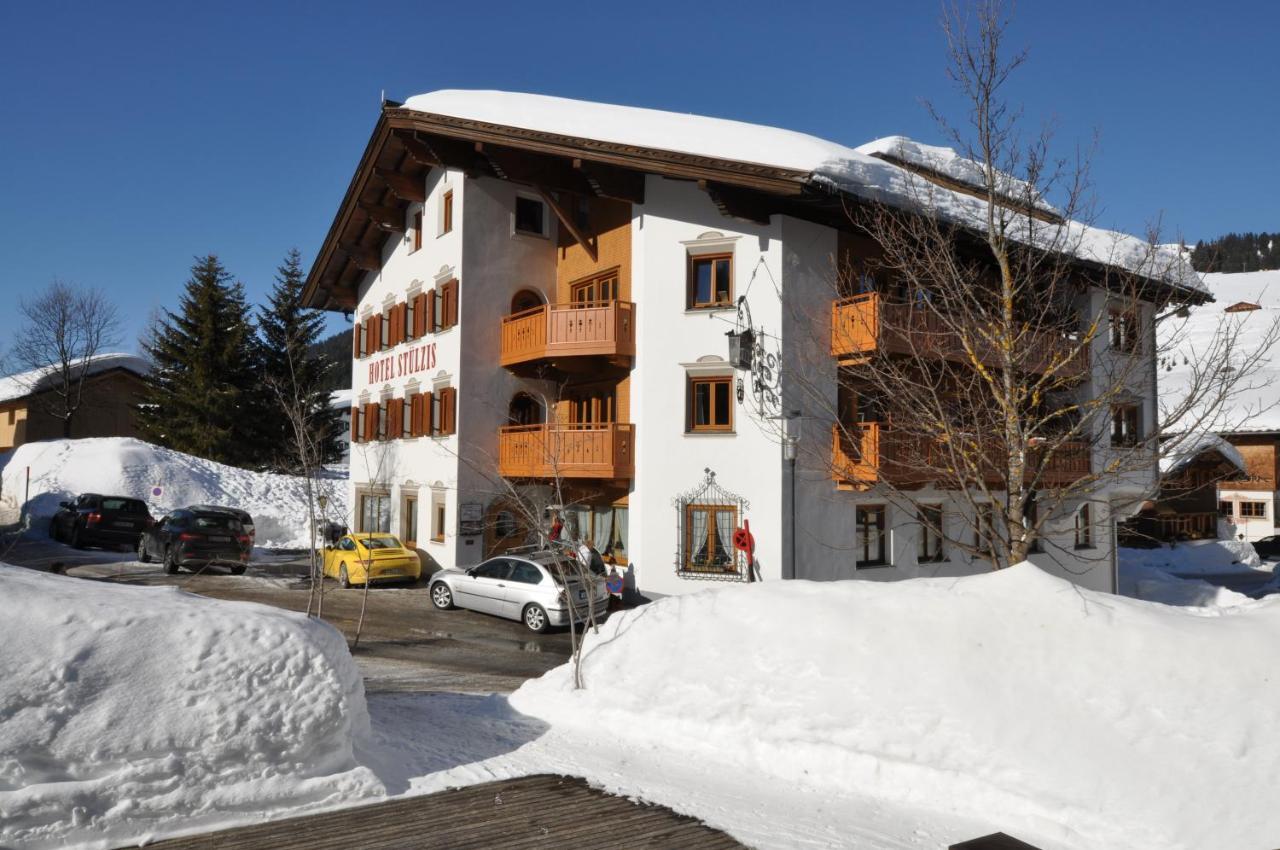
[{"x": 525, "y": 299}]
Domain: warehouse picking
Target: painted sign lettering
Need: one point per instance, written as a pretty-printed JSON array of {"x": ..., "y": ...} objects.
[{"x": 416, "y": 359}]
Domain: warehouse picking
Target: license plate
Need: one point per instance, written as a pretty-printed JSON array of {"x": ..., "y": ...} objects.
[
  {"x": 219, "y": 539},
  {"x": 123, "y": 524}
]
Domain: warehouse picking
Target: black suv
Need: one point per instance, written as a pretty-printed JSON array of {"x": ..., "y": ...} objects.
[
  {"x": 191, "y": 537},
  {"x": 96, "y": 520}
]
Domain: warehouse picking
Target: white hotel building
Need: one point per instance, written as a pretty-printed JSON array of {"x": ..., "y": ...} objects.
[{"x": 527, "y": 272}]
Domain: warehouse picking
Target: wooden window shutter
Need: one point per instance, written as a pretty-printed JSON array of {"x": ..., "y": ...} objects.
[
  {"x": 430, "y": 313},
  {"x": 450, "y": 304},
  {"x": 402, "y": 310},
  {"x": 355, "y": 341},
  {"x": 427, "y": 401},
  {"x": 415, "y": 414},
  {"x": 419, "y": 314},
  {"x": 393, "y": 336},
  {"x": 373, "y": 333},
  {"x": 370, "y": 422},
  {"x": 355, "y": 424},
  {"x": 448, "y": 410},
  {"x": 395, "y": 418}
]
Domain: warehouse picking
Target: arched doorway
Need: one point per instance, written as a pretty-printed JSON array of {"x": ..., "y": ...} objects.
[
  {"x": 525, "y": 410},
  {"x": 525, "y": 299}
]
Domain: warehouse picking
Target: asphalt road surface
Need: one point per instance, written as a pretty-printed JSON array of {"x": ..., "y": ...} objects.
[{"x": 405, "y": 644}]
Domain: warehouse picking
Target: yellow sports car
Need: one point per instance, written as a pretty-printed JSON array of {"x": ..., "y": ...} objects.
[{"x": 381, "y": 557}]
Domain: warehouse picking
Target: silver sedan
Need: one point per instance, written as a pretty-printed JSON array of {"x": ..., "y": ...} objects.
[{"x": 525, "y": 588}]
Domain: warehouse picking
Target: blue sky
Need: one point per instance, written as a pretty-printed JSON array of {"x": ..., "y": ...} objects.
[{"x": 136, "y": 136}]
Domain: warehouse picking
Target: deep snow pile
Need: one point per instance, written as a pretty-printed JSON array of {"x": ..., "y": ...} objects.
[
  {"x": 1071, "y": 718},
  {"x": 126, "y": 711},
  {"x": 1141, "y": 581},
  {"x": 120, "y": 466},
  {"x": 1196, "y": 557}
]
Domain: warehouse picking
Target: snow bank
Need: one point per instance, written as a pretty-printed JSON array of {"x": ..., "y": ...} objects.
[
  {"x": 1071, "y": 718},
  {"x": 129, "y": 711},
  {"x": 1140, "y": 581},
  {"x": 1197, "y": 557},
  {"x": 61, "y": 469}
]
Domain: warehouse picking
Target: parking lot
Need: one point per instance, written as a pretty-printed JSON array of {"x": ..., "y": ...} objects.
[{"x": 405, "y": 645}]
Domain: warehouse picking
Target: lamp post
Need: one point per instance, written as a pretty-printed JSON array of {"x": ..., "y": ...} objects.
[{"x": 790, "y": 448}]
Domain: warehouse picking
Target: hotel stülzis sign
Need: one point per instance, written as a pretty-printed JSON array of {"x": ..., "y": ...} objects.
[{"x": 416, "y": 359}]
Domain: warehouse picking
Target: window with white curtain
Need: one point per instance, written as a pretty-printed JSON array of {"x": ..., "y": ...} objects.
[{"x": 709, "y": 538}]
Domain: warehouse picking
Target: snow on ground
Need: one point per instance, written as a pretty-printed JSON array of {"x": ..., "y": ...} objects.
[
  {"x": 120, "y": 466},
  {"x": 1066, "y": 717},
  {"x": 1196, "y": 557},
  {"x": 1142, "y": 581},
  {"x": 128, "y": 711}
]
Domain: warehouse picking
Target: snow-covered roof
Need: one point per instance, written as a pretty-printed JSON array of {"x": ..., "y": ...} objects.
[
  {"x": 340, "y": 398},
  {"x": 828, "y": 165},
  {"x": 1256, "y": 404},
  {"x": 1193, "y": 446},
  {"x": 23, "y": 384}
]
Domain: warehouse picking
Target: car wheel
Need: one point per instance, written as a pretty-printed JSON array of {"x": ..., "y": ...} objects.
[
  {"x": 441, "y": 596},
  {"x": 344, "y": 580},
  {"x": 536, "y": 618},
  {"x": 170, "y": 561},
  {"x": 143, "y": 557},
  {"x": 238, "y": 571},
  {"x": 76, "y": 542}
]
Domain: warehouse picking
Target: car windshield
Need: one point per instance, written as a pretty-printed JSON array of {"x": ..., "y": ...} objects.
[
  {"x": 380, "y": 542},
  {"x": 215, "y": 522},
  {"x": 124, "y": 506}
]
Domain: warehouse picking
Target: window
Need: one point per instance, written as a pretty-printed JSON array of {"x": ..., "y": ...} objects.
[
  {"x": 1224, "y": 508},
  {"x": 710, "y": 281},
  {"x": 382, "y": 420},
  {"x": 357, "y": 351},
  {"x": 931, "y": 550},
  {"x": 1031, "y": 516},
  {"x": 417, "y": 230},
  {"x": 504, "y": 525},
  {"x": 446, "y": 213},
  {"x": 531, "y": 215},
  {"x": 359, "y": 431},
  {"x": 375, "y": 513},
  {"x": 498, "y": 568},
  {"x": 409, "y": 519},
  {"x": 595, "y": 291},
  {"x": 386, "y": 329},
  {"x": 1125, "y": 425},
  {"x": 869, "y": 536},
  {"x": 406, "y": 418},
  {"x": 708, "y": 543},
  {"x": 1253, "y": 509},
  {"x": 410, "y": 313},
  {"x": 710, "y": 404},
  {"x": 1084, "y": 528},
  {"x": 984, "y": 528},
  {"x": 437, "y": 517},
  {"x": 1124, "y": 332},
  {"x": 525, "y": 573}
]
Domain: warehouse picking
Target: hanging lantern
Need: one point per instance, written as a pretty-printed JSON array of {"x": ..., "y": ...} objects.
[{"x": 741, "y": 346}]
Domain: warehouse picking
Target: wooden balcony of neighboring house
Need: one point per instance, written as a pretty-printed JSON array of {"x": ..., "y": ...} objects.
[
  {"x": 868, "y": 323},
  {"x": 866, "y": 453},
  {"x": 567, "y": 336},
  {"x": 596, "y": 450}
]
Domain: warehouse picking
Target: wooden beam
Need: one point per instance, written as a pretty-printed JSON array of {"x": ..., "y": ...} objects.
[
  {"x": 364, "y": 258},
  {"x": 443, "y": 151},
  {"x": 569, "y": 224},
  {"x": 418, "y": 150},
  {"x": 608, "y": 181},
  {"x": 735, "y": 203},
  {"x": 403, "y": 186},
  {"x": 386, "y": 218}
]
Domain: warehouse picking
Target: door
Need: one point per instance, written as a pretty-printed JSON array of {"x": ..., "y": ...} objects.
[
  {"x": 521, "y": 589},
  {"x": 485, "y": 587}
]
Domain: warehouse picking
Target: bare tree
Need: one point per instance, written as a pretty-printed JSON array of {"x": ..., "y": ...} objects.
[
  {"x": 378, "y": 461},
  {"x": 64, "y": 328},
  {"x": 993, "y": 345}
]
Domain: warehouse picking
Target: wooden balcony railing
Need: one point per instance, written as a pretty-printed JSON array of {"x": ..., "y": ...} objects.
[
  {"x": 867, "y": 453},
  {"x": 582, "y": 329},
  {"x": 868, "y": 323},
  {"x": 567, "y": 451}
]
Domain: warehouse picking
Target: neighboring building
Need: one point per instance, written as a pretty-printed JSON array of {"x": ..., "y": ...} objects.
[
  {"x": 111, "y": 393},
  {"x": 1249, "y": 505},
  {"x": 1188, "y": 506},
  {"x": 340, "y": 400},
  {"x": 542, "y": 290}
]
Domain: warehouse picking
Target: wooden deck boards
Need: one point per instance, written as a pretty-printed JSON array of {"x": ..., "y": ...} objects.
[{"x": 528, "y": 813}]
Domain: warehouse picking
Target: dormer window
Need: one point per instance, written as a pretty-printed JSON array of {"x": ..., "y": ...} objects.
[{"x": 531, "y": 216}]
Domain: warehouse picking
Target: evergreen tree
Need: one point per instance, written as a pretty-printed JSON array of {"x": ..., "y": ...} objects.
[
  {"x": 201, "y": 393},
  {"x": 294, "y": 374}
]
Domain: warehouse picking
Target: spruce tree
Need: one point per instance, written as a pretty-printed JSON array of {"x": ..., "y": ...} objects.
[
  {"x": 202, "y": 392},
  {"x": 294, "y": 374}
]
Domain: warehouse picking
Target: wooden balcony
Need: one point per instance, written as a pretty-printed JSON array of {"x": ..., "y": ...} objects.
[
  {"x": 867, "y": 323},
  {"x": 604, "y": 451},
  {"x": 557, "y": 331},
  {"x": 865, "y": 454}
]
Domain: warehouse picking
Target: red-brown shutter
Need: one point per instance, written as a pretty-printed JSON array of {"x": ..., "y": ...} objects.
[
  {"x": 427, "y": 402},
  {"x": 355, "y": 423},
  {"x": 355, "y": 341},
  {"x": 395, "y": 418},
  {"x": 448, "y": 410},
  {"x": 431, "y": 310},
  {"x": 413, "y": 415},
  {"x": 450, "y": 303},
  {"x": 371, "y": 422},
  {"x": 397, "y": 321},
  {"x": 419, "y": 314},
  {"x": 373, "y": 333}
]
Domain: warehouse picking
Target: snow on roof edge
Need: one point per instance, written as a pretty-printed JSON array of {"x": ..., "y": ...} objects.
[{"x": 22, "y": 384}]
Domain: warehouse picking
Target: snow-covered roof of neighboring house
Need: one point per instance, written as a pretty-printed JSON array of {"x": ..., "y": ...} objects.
[
  {"x": 27, "y": 383},
  {"x": 1255, "y": 407},
  {"x": 827, "y": 165},
  {"x": 1193, "y": 447},
  {"x": 340, "y": 398}
]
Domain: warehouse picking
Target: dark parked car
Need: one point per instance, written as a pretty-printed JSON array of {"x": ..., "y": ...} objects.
[
  {"x": 195, "y": 538},
  {"x": 1268, "y": 547},
  {"x": 245, "y": 519},
  {"x": 97, "y": 520}
]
